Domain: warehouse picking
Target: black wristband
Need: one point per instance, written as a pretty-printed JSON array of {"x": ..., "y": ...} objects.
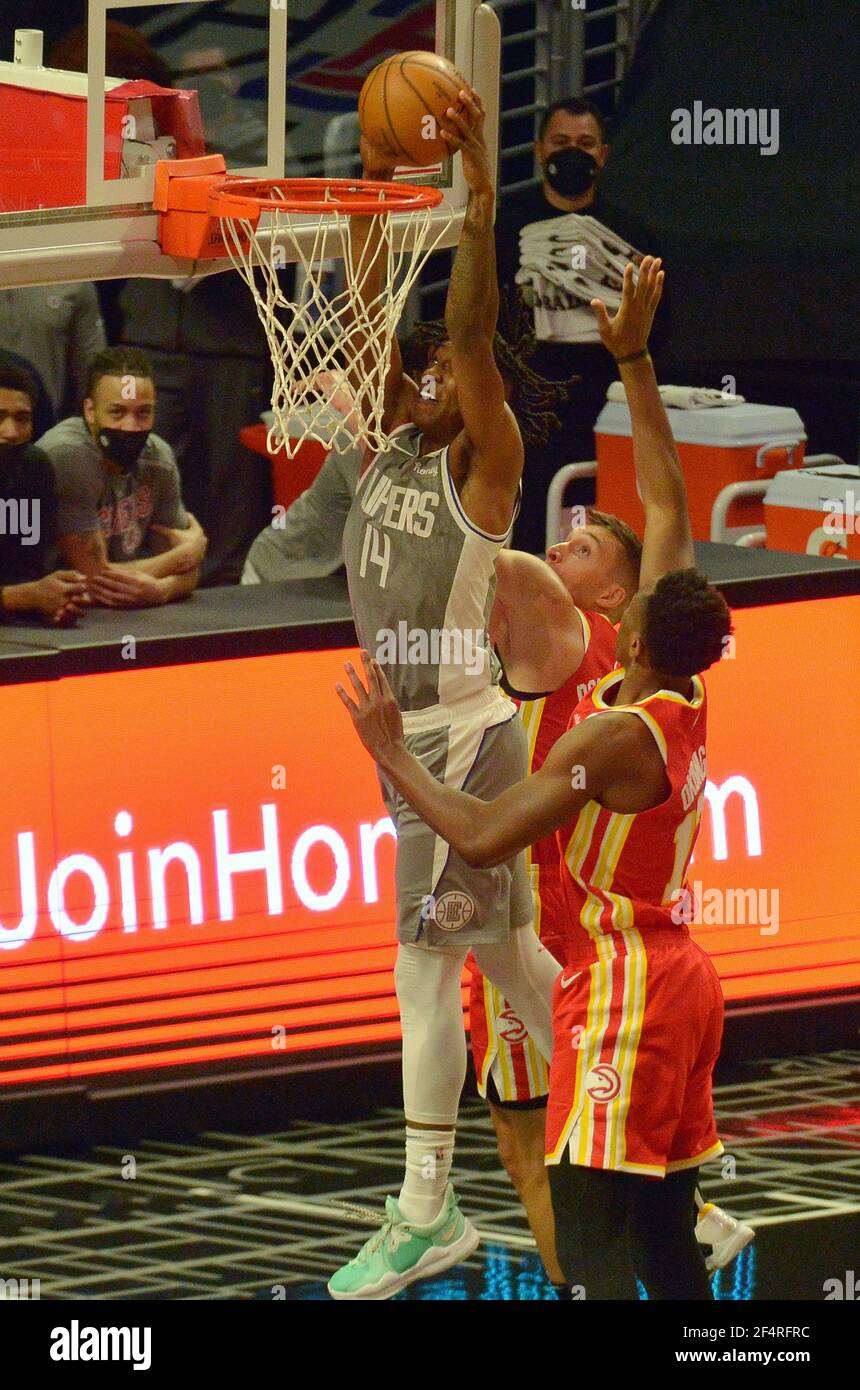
[{"x": 631, "y": 357}]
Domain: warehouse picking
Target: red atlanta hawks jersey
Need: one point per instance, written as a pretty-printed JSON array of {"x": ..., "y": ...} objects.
[
  {"x": 547, "y": 717},
  {"x": 623, "y": 876}
]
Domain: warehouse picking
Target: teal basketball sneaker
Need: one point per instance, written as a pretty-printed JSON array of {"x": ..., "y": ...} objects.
[{"x": 400, "y": 1253}]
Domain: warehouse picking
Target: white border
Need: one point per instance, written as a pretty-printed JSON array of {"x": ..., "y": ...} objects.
[{"x": 106, "y": 193}]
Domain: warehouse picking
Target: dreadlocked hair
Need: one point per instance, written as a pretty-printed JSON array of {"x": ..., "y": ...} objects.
[{"x": 530, "y": 396}]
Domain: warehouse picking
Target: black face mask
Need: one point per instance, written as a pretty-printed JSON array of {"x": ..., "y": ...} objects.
[
  {"x": 571, "y": 171},
  {"x": 124, "y": 447}
]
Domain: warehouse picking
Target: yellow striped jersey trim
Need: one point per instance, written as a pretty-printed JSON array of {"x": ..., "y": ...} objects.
[
  {"x": 531, "y": 713},
  {"x": 616, "y": 677},
  {"x": 574, "y": 858},
  {"x": 490, "y": 1051},
  {"x": 679, "y": 1164},
  {"x": 615, "y": 837}
]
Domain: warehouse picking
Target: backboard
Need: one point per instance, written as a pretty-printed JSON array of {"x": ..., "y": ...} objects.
[{"x": 272, "y": 85}]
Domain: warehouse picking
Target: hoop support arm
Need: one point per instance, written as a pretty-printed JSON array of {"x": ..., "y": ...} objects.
[{"x": 187, "y": 226}]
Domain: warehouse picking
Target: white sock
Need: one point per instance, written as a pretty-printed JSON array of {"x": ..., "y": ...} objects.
[{"x": 429, "y": 1154}]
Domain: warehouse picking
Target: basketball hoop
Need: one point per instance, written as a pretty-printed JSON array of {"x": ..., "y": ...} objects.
[
  {"x": 313, "y": 341},
  {"x": 262, "y": 225}
]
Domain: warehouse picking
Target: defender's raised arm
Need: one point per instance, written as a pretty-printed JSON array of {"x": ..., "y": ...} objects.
[{"x": 668, "y": 540}]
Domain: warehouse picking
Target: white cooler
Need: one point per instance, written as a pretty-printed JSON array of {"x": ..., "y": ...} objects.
[{"x": 815, "y": 511}]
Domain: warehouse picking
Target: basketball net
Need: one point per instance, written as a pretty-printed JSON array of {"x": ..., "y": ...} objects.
[{"x": 315, "y": 338}]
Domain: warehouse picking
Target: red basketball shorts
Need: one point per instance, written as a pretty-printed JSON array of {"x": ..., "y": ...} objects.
[
  {"x": 501, "y": 1046},
  {"x": 635, "y": 1041}
]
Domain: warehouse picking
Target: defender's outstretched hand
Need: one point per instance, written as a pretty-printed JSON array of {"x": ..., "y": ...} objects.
[
  {"x": 376, "y": 715},
  {"x": 462, "y": 128},
  {"x": 628, "y": 331}
]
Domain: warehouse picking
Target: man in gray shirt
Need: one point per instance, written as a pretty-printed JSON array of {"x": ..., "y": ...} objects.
[
  {"x": 120, "y": 518},
  {"x": 59, "y": 329}
]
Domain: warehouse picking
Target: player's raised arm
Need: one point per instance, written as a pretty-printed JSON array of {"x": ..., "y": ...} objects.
[
  {"x": 486, "y": 833},
  {"x": 668, "y": 540},
  {"x": 489, "y": 454},
  {"x": 371, "y": 267}
]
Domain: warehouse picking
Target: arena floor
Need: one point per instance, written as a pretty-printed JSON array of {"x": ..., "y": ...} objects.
[{"x": 230, "y": 1216}]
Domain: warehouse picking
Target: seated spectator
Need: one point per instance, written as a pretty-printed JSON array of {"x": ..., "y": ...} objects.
[
  {"x": 59, "y": 329},
  {"x": 120, "y": 515},
  {"x": 28, "y": 515},
  {"x": 213, "y": 376},
  {"x": 43, "y": 411}
]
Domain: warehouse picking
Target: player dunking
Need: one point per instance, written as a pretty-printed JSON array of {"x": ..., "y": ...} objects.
[
  {"x": 638, "y": 1009},
  {"x": 430, "y": 517}
]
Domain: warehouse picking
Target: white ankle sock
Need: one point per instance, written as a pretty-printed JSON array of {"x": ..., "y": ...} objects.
[{"x": 429, "y": 1153}]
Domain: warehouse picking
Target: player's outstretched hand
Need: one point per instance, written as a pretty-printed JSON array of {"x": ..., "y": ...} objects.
[
  {"x": 628, "y": 331},
  {"x": 462, "y": 128},
  {"x": 375, "y": 712}
]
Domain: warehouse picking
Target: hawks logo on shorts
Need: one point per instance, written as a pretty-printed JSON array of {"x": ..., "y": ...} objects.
[
  {"x": 511, "y": 1028},
  {"x": 602, "y": 1083}
]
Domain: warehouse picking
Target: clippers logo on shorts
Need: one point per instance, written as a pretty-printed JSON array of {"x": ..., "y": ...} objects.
[
  {"x": 603, "y": 1083},
  {"x": 516, "y": 1031},
  {"x": 453, "y": 910}
]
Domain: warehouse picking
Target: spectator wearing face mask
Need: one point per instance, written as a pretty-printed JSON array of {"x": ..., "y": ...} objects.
[
  {"x": 120, "y": 515},
  {"x": 535, "y": 234},
  {"x": 43, "y": 411},
  {"x": 28, "y": 515}
]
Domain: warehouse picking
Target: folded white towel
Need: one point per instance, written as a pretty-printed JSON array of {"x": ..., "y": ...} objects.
[
  {"x": 565, "y": 262},
  {"x": 682, "y": 397}
]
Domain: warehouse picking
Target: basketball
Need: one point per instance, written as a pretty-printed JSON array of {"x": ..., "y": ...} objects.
[{"x": 402, "y": 101}]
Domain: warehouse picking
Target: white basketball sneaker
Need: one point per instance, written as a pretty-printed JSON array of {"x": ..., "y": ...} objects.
[{"x": 723, "y": 1233}]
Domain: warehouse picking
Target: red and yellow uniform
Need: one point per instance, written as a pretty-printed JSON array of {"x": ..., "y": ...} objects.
[
  {"x": 501, "y": 1046},
  {"x": 638, "y": 1009}
]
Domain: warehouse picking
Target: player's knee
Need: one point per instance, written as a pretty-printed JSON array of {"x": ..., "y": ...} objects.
[
  {"x": 524, "y": 1167},
  {"x": 414, "y": 982},
  {"x": 509, "y": 1149}
]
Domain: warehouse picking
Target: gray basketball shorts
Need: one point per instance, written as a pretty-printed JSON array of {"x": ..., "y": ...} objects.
[{"x": 441, "y": 901}]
